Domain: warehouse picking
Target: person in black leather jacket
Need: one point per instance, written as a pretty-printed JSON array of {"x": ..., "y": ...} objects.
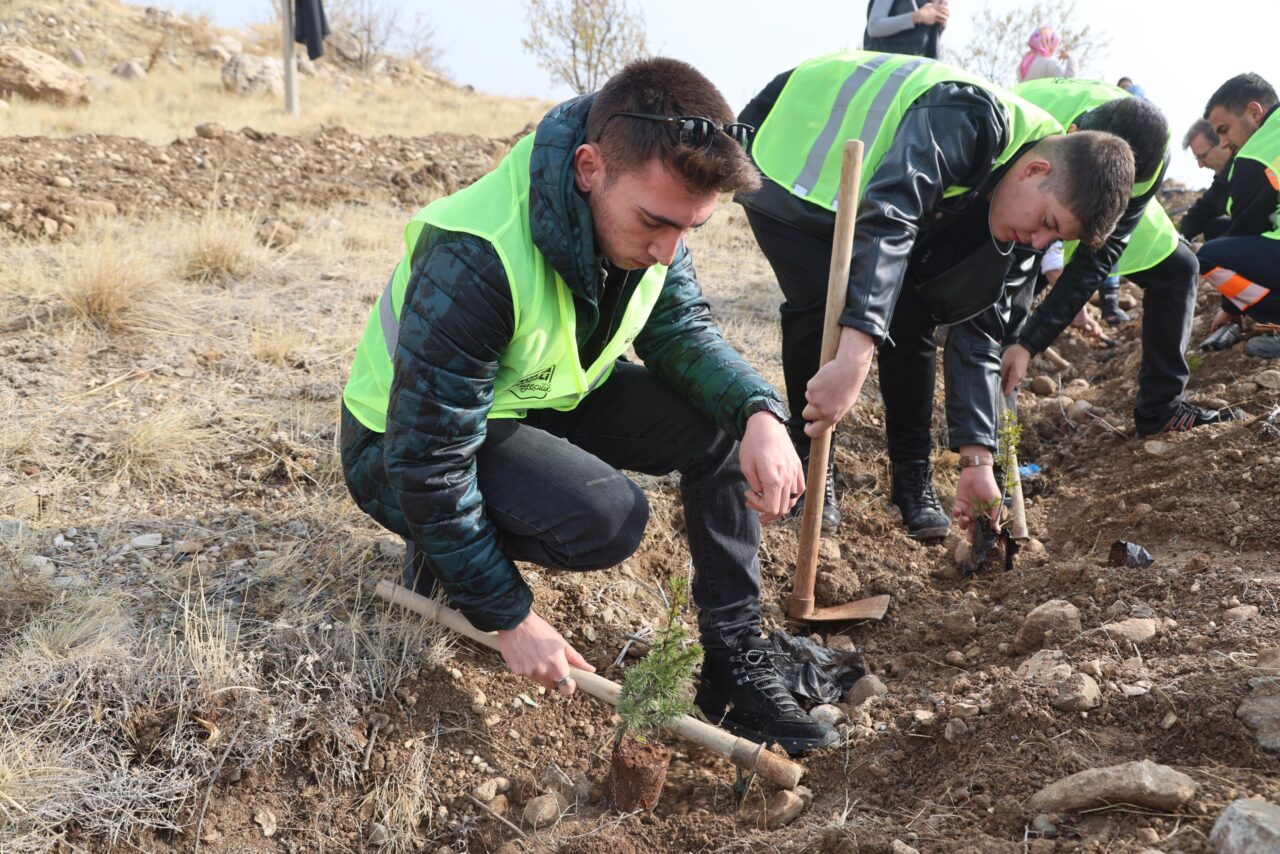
[{"x": 919, "y": 260}]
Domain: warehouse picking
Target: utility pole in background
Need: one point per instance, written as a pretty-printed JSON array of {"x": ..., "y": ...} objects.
[{"x": 290, "y": 64}]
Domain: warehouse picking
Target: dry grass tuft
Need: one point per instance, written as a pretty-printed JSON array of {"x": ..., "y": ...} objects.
[
  {"x": 399, "y": 801},
  {"x": 109, "y": 285},
  {"x": 223, "y": 248},
  {"x": 165, "y": 450}
]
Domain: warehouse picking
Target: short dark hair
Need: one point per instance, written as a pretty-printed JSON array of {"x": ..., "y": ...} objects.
[
  {"x": 1239, "y": 91},
  {"x": 1204, "y": 128},
  {"x": 1139, "y": 123},
  {"x": 1092, "y": 177},
  {"x": 1124, "y": 80},
  {"x": 667, "y": 87}
]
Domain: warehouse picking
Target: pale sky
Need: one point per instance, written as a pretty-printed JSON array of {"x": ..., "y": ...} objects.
[{"x": 1179, "y": 57}]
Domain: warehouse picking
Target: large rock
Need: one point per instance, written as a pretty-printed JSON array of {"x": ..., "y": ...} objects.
[
  {"x": 1057, "y": 618},
  {"x": 1142, "y": 783},
  {"x": 1261, "y": 714},
  {"x": 129, "y": 69},
  {"x": 782, "y": 808},
  {"x": 246, "y": 74},
  {"x": 40, "y": 77},
  {"x": 1077, "y": 693},
  {"x": 1136, "y": 630},
  {"x": 1247, "y": 827},
  {"x": 544, "y": 809},
  {"x": 864, "y": 689}
]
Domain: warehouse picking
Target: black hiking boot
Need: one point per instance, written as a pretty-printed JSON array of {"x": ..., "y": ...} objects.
[
  {"x": 830, "y": 506},
  {"x": 1185, "y": 417},
  {"x": 922, "y": 512},
  {"x": 741, "y": 692},
  {"x": 418, "y": 577}
]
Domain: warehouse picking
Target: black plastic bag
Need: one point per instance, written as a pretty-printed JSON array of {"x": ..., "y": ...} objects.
[{"x": 813, "y": 672}]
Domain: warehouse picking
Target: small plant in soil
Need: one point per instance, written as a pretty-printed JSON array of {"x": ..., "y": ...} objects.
[
  {"x": 993, "y": 544},
  {"x": 653, "y": 695}
]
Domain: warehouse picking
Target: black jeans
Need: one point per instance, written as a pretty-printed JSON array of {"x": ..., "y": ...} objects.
[
  {"x": 907, "y": 360},
  {"x": 1256, "y": 259},
  {"x": 552, "y": 488},
  {"x": 1168, "y": 307}
]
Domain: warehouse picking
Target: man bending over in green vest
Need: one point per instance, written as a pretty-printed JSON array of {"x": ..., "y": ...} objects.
[
  {"x": 1145, "y": 247},
  {"x": 963, "y": 185},
  {"x": 490, "y": 408}
]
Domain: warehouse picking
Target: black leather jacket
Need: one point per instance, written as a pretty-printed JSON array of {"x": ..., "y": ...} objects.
[{"x": 909, "y": 234}]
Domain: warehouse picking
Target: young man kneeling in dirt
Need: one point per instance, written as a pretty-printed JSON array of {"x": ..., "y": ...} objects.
[
  {"x": 489, "y": 407},
  {"x": 963, "y": 185}
]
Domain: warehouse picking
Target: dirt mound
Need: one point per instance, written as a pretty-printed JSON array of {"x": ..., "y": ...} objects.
[{"x": 46, "y": 185}]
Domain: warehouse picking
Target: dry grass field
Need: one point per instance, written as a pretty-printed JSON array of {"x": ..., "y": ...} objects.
[{"x": 190, "y": 654}]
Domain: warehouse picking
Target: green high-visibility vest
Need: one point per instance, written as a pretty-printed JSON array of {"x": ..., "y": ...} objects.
[
  {"x": 863, "y": 95},
  {"x": 1264, "y": 147},
  {"x": 1154, "y": 238},
  {"x": 540, "y": 368}
]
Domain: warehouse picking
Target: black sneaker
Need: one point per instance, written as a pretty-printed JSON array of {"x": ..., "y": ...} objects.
[
  {"x": 741, "y": 692},
  {"x": 913, "y": 493},
  {"x": 1185, "y": 417},
  {"x": 830, "y": 506},
  {"x": 418, "y": 577},
  {"x": 1112, "y": 313}
]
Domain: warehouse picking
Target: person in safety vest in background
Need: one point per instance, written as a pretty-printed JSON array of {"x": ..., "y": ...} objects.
[
  {"x": 1145, "y": 247},
  {"x": 1244, "y": 263},
  {"x": 963, "y": 184},
  {"x": 490, "y": 408}
]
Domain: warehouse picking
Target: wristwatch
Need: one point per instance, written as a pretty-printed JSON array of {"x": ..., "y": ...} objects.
[{"x": 971, "y": 460}]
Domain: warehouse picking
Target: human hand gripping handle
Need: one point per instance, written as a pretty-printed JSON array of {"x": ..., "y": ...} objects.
[{"x": 536, "y": 650}]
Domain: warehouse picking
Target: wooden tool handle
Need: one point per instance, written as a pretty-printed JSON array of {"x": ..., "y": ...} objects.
[
  {"x": 747, "y": 755},
  {"x": 806, "y": 574}
]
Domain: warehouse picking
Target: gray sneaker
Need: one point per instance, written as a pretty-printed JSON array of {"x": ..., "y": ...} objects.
[{"x": 1263, "y": 346}]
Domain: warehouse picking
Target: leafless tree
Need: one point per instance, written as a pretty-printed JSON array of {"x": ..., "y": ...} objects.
[
  {"x": 582, "y": 42},
  {"x": 1000, "y": 39}
]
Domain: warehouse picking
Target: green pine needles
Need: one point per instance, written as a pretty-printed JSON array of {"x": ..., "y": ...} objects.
[
  {"x": 1007, "y": 438},
  {"x": 652, "y": 689}
]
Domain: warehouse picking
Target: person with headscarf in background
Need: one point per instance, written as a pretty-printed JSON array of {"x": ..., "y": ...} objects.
[{"x": 1043, "y": 59}]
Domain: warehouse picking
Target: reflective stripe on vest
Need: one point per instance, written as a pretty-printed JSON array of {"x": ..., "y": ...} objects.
[
  {"x": 1235, "y": 287},
  {"x": 863, "y": 95},
  {"x": 1264, "y": 147},
  {"x": 1154, "y": 238},
  {"x": 540, "y": 366}
]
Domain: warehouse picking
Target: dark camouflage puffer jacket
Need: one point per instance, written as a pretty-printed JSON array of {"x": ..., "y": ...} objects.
[{"x": 418, "y": 479}]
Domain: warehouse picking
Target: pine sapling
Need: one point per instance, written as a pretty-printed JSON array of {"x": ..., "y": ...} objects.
[{"x": 653, "y": 689}]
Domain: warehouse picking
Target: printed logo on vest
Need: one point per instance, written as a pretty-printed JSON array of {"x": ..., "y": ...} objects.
[{"x": 535, "y": 386}]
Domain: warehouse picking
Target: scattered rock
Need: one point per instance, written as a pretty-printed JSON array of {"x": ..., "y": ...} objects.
[
  {"x": 211, "y": 130},
  {"x": 146, "y": 541},
  {"x": 827, "y": 714},
  {"x": 1240, "y": 613},
  {"x": 900, "y": 847},
  {"x": 12, "y": 530},
  {"x": 76, "y": 57},
  {"x": 1078, "y": 408},
  {"x": 959, "y": 623},
  {"x": 1156, "y": 448},
  {"x": 864, "y": 689},
  {"x": 1231, "y": 506},
  {"x": 276, "y": 235},
  {"x": 782, "y": 808},
  {"x": 1045, "y": 666},
  {"x": 129, "y": 69},
  {"x": 39, "y": 565},
  {"x": 1269, "y": 661},
  {"x": 266, "y": 819},
  {"x": 1261, "y": 714},
  {"x": 544, "y": 809},
  {"x": 1269, "y": 378},
  {"x": 1137, "y": 630},
  {"x": 1142, "y": 783},
  {"x": 39, "y": 77},
  {"x": 1247, "y": 827},
  {"x": 230, "y": 44},
  {"x": 378, "y": 835},
  {"x": 1077, "y": 693},
  {"x": 1057, "y": 618},
  {"x": 488, "y": 790},
  {"x": 955, "y": 658},
  {"x": 955, "y": 730},
  {"x": 1044, "y": 385},
  {"x": 246, "y": 74}
]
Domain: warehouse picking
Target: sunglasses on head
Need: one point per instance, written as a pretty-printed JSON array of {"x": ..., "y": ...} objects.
[{"x": 697, "y": 131}]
